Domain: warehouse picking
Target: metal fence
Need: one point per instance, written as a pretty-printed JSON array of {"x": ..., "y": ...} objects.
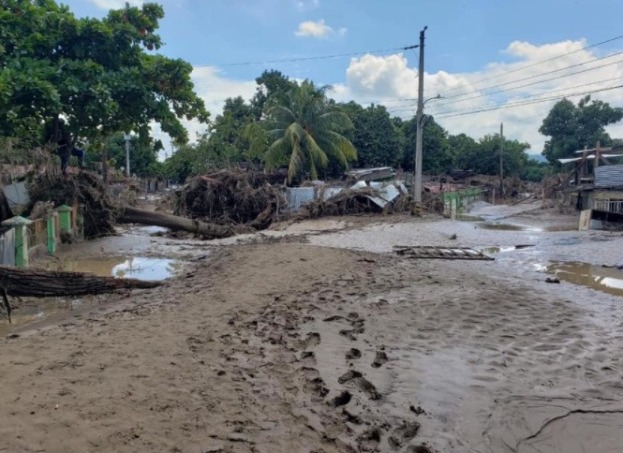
[{"x": 614, "y": 206}]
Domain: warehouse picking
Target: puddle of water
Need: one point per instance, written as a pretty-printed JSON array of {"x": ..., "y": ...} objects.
[
  {"x": 502, "y": 249},
  {"x": 554, "y": 228},
  {"x": 608, "y": 280},
  {"x": 151, "y": 229},
  {"x": 142, "y": 268},
  {"x": 470, "y": 218},
  {"x": 494, "y": 250},
  {"x": 500, "y": 226}
]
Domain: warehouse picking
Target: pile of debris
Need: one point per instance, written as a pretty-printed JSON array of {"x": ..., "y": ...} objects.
[
  {"x": 226, "y": 197},
  {"x": 359, "y": 199},
  {"x": 84, "y": 189}
]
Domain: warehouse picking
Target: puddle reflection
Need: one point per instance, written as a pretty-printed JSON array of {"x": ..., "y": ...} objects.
[
  {"x": 142, "y": 268},
  {"x": 606, "y": 279}
]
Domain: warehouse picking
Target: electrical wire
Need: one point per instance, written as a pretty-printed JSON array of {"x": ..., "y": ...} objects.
[
  {"x": 535, "y": 83},
  {"x": 557, "y": 95},
  {"x": 296, "y": 59},
  {"x": 522, "y": 68},
  {"x": 542, "y": 75},
  {"x": 527, "y": 102}
]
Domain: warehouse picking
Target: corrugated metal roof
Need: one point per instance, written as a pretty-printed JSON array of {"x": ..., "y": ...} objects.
[{"x": 609, "y": 176}]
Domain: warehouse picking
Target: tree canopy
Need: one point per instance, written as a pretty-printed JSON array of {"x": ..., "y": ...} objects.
[
  {"x": 570, "y": 127},
  {"x": 99, "y": 74},
  {"x": 306, "y": 132}
]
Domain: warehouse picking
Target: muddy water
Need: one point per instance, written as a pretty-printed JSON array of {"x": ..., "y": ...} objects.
[
  {"x": 608, "y": 280},
  {"x": 139, "y": 267}
]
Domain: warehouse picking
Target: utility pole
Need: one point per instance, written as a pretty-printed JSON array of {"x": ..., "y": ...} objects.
[
  {"x": 501, "y": 160},
  {"x": 127, "y": 154},
  {"x": 417, "y": 186}
]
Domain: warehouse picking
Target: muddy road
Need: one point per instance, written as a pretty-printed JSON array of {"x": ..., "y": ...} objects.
[{"x": 314, "y": 337}]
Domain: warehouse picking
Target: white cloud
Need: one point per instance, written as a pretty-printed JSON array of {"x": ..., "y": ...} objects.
[
  {"x": 313, "y": 29},
  {"x": 115, "y": 4},
  {"x": 214, "y": 89},
  {"x": 390, "y": 81}
]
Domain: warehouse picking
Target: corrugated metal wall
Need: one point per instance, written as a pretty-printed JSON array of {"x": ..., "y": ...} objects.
[
  {"x": 298, "y": 196},
  {"x": 7, "y": 248},
  {"x": 609, "y": 176}
]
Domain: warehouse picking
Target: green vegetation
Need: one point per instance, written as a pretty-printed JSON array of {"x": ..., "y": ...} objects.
[
  {"x": 572, "y": 127},
  {"x": 99, "y": 75}
]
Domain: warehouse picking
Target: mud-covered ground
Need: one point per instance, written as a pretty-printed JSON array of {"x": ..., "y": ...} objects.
[{"x": 315, "y": 337}]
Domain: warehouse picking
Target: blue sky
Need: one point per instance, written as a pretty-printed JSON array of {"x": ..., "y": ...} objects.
[{"x": 467, "y": 41}]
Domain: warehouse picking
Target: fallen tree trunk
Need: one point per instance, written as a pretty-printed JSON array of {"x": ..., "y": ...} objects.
[
  {"x": 42, "y": 283},
  {"x": 207, "y": 230}
]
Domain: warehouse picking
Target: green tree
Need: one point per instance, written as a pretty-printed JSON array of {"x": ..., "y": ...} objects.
[
  {"x": 306, "y": 133},
  {"x": 228, "y": 140},
  {"x": 436, "y": 157},
  {"x": 97, "y": 73},
  {"x": 188, "y": 160},
  {"x": 143, "y": 154},
  {"x": 462, "y": 147},
  {"x": 377, "y": 140},
  {"x": 485, "y": 157},
  {"x": 570, "y": 127},
  {"x": 271, "y": 85}
]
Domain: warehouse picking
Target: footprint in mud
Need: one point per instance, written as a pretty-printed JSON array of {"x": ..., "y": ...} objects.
[
  {"x": 356, "y": 379},
  {"x": 308, "y": 359},
  {"x": 349, "y": 376},
  {"x": 312, "y": 339},
  {"x": 349, "y": 417},
  {"x": 316, "y": 387},
  {"x": 358, "y": 325},
  {"x": 369, "y": 439},
  {"x": 379, "y": 360},
  {"x": 341, "y": 400},
  {"x": 348, "y": 333},
  {"x": 333, "y": 318},
  {"x": 403, "y": 434},
  {"x": 353, "y": 353},
  {"x": 310, "y": 374}
]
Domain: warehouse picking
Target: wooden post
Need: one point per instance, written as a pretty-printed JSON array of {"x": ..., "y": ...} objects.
[{"x": 20, "y": 224}]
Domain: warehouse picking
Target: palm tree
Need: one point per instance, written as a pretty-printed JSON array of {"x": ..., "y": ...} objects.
[{"x": 305, "y": 132}]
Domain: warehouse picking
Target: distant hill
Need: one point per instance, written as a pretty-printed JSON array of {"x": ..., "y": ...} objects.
[{"x": 538, "y": 157}]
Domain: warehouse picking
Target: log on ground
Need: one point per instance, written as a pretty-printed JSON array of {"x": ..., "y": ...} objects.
[
  {"x": 43, "y": 283},
  {"x": 207, "y": 230}
]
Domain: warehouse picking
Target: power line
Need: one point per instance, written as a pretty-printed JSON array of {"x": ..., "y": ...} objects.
[
  {"x": 529, "y": 102},
  {"x": 539, "y": 81},
  {"x": 318, "y": 57},
  {"x": 522, "y": 68},
  {"x": 443, "y": 101},
  {"x": 557, "y": 95}
]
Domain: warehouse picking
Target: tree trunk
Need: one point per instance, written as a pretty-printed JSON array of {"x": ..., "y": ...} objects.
[
  {"x": 207, "y": 230},
  {"x": 42, "y": 283}
]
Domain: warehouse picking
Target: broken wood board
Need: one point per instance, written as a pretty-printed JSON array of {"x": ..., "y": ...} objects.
[{"x": 441, "y": 253}]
